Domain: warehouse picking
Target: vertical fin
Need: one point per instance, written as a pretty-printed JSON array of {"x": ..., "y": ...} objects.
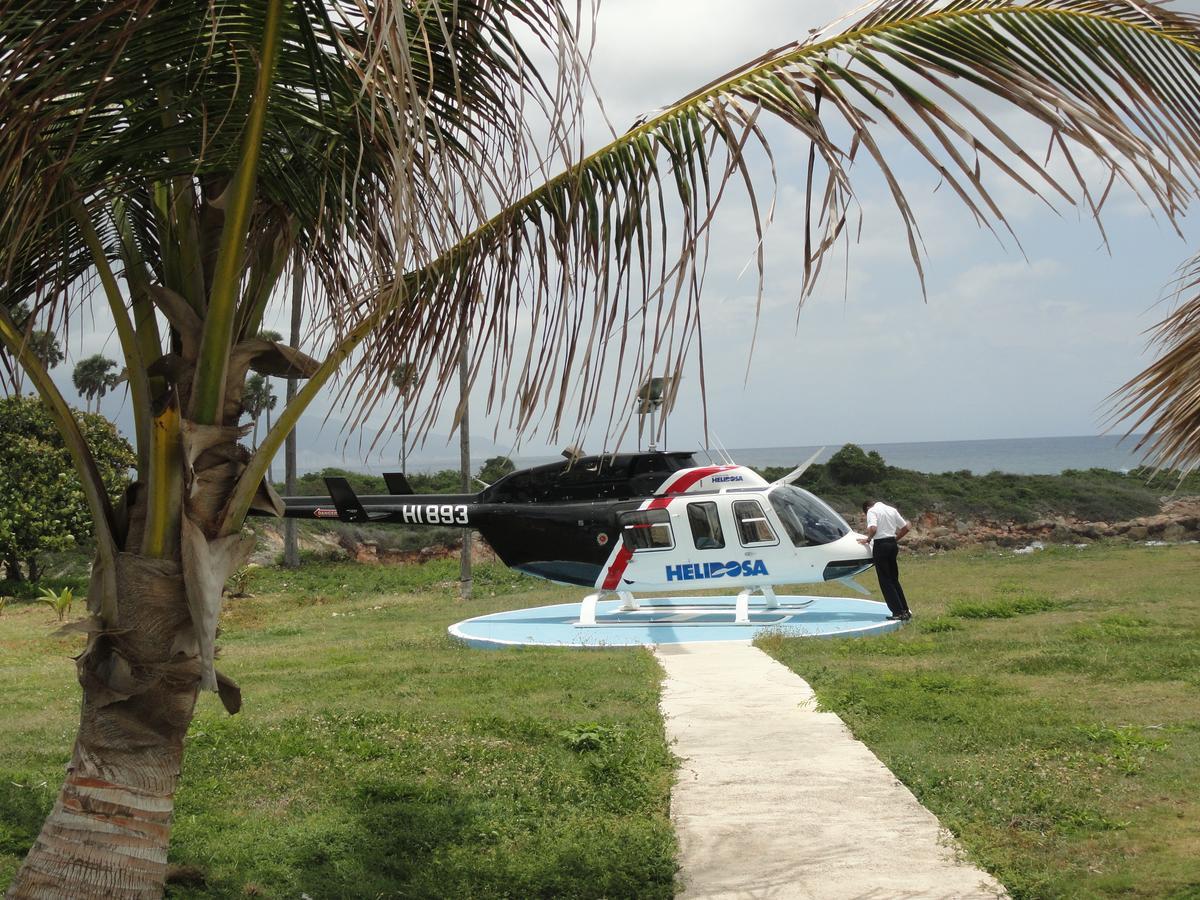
[
  {"x": 349, "y": 507},
  {"x": 397, "y": 483}
]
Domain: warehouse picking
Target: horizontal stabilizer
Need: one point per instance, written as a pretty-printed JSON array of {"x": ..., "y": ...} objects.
[{"x": 397, "y": 484}]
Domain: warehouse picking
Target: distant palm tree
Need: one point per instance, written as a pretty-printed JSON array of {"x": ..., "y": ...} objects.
[
  {"x": 93, "y": 378},
  {"x": 42, "y": 343},
  {"x": 257, "y": 397},
  {"x": 274, "y": 337},
  {"x": 404, "y": 377}
]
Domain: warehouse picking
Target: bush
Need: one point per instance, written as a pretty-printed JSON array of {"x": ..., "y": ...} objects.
[
  {"x": 42, "y": 505},
  {"x": 853, "y": 465}
]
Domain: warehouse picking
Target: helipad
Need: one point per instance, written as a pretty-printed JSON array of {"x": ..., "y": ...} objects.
[{"x": 673, "y": 620}]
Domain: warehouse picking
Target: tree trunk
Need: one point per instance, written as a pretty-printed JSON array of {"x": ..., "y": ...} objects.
[
  {"x": 141, "y": 672},
  {"x": 291, "y": 542},
  {"x": 107, "y": 834},
  {"x": 35, "y": 571},
  {"x": 270, "y": 463},
  {"x": 12, "y": 568},
  {"x": 464, "y": 458}
]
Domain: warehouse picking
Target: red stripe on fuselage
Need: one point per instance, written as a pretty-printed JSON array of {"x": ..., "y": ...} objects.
[{"x": 672, "y": 490}]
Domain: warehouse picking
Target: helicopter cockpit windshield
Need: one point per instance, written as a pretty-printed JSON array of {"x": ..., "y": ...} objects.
[{"x": 808, "y": 520}]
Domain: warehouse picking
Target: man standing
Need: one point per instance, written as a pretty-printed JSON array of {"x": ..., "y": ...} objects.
[{"x": 885, "y": 527}]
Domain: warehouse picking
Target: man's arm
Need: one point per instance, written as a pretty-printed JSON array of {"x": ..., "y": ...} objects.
[
  {"x": 870, "y": 535},
  {"x": 903, "y": 530}
]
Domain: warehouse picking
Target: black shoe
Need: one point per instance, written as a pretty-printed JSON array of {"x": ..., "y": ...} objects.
[
  {"x": 894, "y": 619},
  {"x": 904, "y": 617}
]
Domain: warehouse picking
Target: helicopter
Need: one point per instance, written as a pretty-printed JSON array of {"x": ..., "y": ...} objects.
[{"x": 648, "y": 522}]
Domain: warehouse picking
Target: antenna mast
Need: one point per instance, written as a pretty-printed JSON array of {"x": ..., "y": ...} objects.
[{"x": 649, "y": 398}]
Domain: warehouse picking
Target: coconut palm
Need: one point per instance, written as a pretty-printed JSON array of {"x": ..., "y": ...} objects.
[
  {"x": 274, "y": 337},
  {"x": 404, "y": 376},
  {"x": 93, "y": 378},
  {"x": 257, "y": 398},
  {"x": 179, "y": 154},
  {"x": 43, "y": 343}
]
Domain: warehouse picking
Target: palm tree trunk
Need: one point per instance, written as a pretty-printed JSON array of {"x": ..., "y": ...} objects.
[
  {"x": 141, "y": 672},
  {"x": 464, "y": 434},
  {"x": 107, "y": 834},
  {"x": 270, "y": 465},
  {"x": 291, "y": 542}
]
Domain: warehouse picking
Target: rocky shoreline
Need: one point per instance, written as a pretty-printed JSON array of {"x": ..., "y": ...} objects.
[{"x": 1177, "y": 521}]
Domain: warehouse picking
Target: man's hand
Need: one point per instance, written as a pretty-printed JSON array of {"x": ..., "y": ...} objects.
[{"x": 865, "y": 540}]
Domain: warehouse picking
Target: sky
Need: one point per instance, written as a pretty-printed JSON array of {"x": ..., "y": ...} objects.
[{"x": 1004, "y": 343}]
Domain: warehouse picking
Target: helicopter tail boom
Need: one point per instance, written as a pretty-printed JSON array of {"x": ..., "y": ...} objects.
[{"x": 397, "y": 508}]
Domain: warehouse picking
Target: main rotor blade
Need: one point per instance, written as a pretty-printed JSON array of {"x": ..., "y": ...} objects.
[{"x": 799, "y": 470}]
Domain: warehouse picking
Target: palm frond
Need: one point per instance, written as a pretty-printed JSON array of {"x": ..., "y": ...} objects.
[
  {"x": 597, "y": 274},
  {"x": 1162, "y": 402},
  {"x": 391, "y": 127}
]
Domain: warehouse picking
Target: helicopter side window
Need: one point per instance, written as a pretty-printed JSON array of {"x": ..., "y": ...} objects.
[
  {"x": 706, "y": 526},
  {"x": 647, "y": 529},
  {"x": 753, "y": 528}
]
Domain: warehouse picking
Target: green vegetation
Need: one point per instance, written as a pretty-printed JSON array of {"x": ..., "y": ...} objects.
[
  {"x": 376, "y": 757},
  {"x": 59, "y": 601},
  {"x": 42, "y": 505},
  {"x": 1046, "y": 708},
  {"x": 851, "y": 476},
  {"x": 312, "y": 484}
]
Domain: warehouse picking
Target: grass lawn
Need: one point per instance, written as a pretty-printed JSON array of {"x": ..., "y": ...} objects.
[
  {"x": 1046, "y": 708},
  {"x": 374, "y": 757}
]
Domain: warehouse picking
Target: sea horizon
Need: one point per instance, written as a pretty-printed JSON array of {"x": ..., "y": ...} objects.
[{"x": 1020, "y": 456}]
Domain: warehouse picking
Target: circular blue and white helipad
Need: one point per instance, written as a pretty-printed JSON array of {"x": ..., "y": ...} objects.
[{"x": 673, "y": 620}]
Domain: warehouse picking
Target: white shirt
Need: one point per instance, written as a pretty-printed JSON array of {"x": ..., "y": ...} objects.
[{"x": 886, "y": 519}]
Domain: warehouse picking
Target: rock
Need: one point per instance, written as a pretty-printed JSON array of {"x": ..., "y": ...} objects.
[
  {"x": 1138, "y": 533},
  {"x": 1062, "y": 534},
  {"x": 1173, "y": 533}
]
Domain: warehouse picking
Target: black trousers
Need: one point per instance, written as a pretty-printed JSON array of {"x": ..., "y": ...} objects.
[{"x": 883, "y": 553}]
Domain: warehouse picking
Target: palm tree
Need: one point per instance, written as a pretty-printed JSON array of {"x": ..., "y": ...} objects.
[
  {"x": 93, "y": 378},
  {"x": 274, "y": 337},
  {"x": 179, "y": 154},
  {"x": 291, "y": 539},
  {"x": 43, "y": 344},
  {"x": 258, "y": 397},
  {"x": 403, "y": 377}
]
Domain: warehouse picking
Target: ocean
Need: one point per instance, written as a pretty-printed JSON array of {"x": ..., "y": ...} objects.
[{"x": 1021, "y": 456}]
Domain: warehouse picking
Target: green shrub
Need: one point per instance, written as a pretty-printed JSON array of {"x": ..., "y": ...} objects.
[{"x": 853, "y": 465}]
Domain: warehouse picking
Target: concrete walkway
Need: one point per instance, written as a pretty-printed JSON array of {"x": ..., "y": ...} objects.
[{"x": 778, "y": 800}]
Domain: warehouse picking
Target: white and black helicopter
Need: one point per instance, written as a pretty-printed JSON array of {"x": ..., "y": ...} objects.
[{"x": 645, "y": 522}]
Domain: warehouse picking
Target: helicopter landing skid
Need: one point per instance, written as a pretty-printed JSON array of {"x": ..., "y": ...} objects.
[{"x": 629, "y": 603}]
